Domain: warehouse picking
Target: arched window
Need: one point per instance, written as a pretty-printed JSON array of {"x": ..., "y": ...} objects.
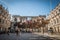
[
  {"x": 54, "y": 20},
  {"x": 51, "y": 22},
  {"x": 1, "y": 21},
  {"x": 57, "y": 19}
]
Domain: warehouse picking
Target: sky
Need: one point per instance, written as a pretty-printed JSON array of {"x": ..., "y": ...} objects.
[{"x": 30, "y": 7}]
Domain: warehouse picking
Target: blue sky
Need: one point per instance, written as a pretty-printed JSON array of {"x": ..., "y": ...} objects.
[{"x": 30, "y": 7}]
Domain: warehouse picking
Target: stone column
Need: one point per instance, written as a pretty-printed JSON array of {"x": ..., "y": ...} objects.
[
  {"x": 54, "y": 29},
  {"x": 58, "y": 29}
]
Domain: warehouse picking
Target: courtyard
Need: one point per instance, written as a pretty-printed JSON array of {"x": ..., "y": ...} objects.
[{"x": 25, "y": 36}]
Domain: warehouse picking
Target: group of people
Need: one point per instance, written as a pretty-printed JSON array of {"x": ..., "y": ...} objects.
[{"x": 16, "y": 31}]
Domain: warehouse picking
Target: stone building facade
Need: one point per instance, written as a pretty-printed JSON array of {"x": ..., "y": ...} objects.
[
  {"x": 37, "y": 22},
  {"x": 54, "y": 19},
  {"x": 17, "y": 18},
  {"x": 4, "y": 19}
]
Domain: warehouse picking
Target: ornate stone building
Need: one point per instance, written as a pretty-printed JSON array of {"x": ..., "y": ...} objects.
[
  {"x": 17, "y": 18},
  {"x": 37, "y": 22},
  {"x": 4, "y": 18},
  {"x": 54, "y": 19}
]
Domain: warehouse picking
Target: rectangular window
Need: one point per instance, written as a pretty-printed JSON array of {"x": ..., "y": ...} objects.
[
  {"x": 0, "y": 20},
  {"x": 0, "y": 11},
  {"x": 59, "y": 10},
  {"x": 15, "y": 19},
  {"x": 54, "y": 21}
]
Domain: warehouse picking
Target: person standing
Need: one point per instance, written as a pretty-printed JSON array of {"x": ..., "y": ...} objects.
[{"x": 17, "y": 31}]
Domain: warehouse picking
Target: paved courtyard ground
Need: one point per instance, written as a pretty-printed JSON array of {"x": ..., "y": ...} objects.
[{"x": 25, "y": 36}]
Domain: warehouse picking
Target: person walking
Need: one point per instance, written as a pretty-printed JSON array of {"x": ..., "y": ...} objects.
[{"x": 17, "y": 31}]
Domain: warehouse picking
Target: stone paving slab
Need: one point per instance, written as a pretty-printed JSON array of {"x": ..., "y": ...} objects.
[
  {"x": 23, "y": 36},
  {"x": 50, "y": 35}
]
